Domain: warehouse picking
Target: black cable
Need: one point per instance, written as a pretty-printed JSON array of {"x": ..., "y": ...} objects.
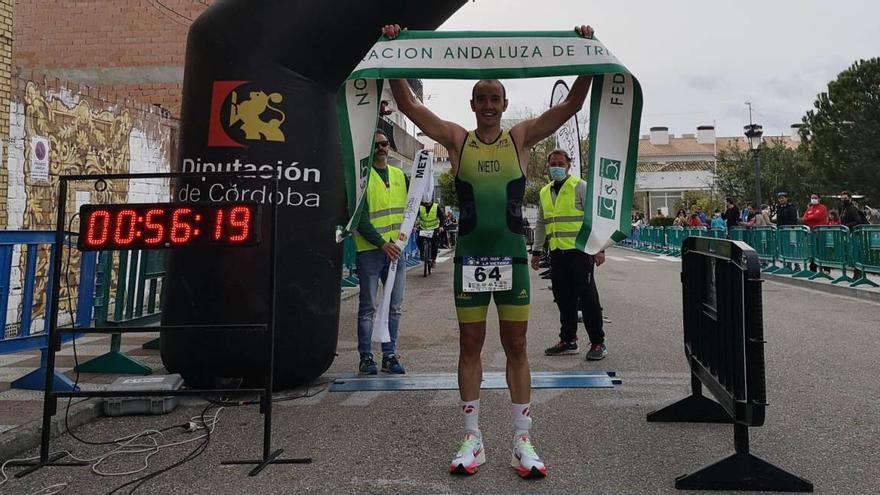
[
  {"x": 166, "y": 15},
  {"x": 192, "y": 455},
  {"x": 173, "y": 11}
]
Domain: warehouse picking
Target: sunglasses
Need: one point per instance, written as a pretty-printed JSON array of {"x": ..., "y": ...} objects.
[{"x": 380, "y": 143}]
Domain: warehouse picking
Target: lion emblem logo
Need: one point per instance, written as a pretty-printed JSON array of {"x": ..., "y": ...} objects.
[{"x": 251, "y": 112}]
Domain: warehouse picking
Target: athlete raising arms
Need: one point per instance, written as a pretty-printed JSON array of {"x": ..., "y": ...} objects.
[{"x": 489, "y": 165}]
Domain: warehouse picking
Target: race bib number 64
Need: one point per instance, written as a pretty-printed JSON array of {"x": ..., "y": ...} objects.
[{"x": 486, "y": 273}]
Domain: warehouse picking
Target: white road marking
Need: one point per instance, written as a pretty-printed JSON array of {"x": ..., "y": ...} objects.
[{"x": 646, "y": 260}]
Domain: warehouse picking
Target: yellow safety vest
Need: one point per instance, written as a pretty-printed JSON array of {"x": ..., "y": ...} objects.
[
  {"x": 428, "y": 219},
  {"x": 561, "y": 219},
  {"x": 386, "y": 205}
]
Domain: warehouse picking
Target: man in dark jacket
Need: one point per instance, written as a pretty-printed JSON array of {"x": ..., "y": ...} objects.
[
  {"x": 850, "y": 215},
  {"x": 786, "y": 212},
  {"x": 731, "y": 213}
]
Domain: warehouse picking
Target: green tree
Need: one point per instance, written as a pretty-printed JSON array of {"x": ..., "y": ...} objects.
[
  {"x": 842, "y": 132},
  {"x": 782, "y": 169},
  {"x": 446, "y": 184},
  {"x": 703, "y": 199}
]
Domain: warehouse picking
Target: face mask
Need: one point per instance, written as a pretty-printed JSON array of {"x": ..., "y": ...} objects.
[
  {"x": 557, "y": 173},
  {"x": 814, "y": 201},
  {"x": 718, "y": 215},
  {"x": 766, "y": 212}
]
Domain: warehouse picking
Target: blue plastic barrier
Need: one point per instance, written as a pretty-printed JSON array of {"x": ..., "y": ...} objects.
[{"x": 24, "y": 339}]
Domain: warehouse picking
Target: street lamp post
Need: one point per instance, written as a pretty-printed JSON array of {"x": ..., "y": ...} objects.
[{"x": 753, "y": 134}]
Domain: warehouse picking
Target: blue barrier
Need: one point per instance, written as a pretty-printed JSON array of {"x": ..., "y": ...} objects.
[
  {"x": 24, "y": 339},
  {"x": 411, "y": 250}
]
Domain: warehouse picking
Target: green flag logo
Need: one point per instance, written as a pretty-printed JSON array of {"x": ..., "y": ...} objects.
[
  {"x": 607, "y": 207},
  {"x": 609, "y": 169}
]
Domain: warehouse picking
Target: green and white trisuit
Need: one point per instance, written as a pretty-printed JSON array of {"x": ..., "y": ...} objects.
[{"x": 490, "y": 185}]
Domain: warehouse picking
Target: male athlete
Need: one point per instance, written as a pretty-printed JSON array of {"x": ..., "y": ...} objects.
[{"x": 489, "y": 165}]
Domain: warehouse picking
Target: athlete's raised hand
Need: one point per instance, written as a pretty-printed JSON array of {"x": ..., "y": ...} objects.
[
  {"x": 585, "y": 31},
  {"x": 391, "y": 31}
]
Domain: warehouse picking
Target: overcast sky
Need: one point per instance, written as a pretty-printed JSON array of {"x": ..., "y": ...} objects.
[{"x": 698, "y": 61}]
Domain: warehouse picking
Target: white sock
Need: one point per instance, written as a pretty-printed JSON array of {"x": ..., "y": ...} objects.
[
  {"x": 522, "y": 418},
  {"x": 471, "y": 410}
]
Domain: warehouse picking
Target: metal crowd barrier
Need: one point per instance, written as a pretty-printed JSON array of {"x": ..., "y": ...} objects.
[
  {"x": 23, "y": 337},
  {"x": 830, "y": 248},
  {"x": 792, "y": 243},
  {"x": 139, "y": 277},
  {"x": 866, "y": 253},
  {"x": 724, "y": 347}
]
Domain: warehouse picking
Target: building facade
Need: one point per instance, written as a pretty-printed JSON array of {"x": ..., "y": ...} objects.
[{"x": 669, "y": 165}]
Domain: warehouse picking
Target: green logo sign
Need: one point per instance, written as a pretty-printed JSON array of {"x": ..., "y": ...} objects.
[
  {"x": 609, "y": 169},
  {"x": 607, "y": 207}
]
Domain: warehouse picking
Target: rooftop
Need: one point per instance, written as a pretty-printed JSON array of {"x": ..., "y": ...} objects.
[{"x": 689, "y": 146}]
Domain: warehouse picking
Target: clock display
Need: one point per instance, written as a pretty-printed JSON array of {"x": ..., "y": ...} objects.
[{"x": 167, "y": 225}]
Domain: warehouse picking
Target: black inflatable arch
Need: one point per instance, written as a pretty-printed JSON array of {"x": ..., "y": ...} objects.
[{"x": 259, "y": 93}]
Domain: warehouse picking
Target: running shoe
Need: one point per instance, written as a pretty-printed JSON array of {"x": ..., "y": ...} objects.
[
  {"x": 469, "y": 456},
  {"x": 525, "y": 460},
  {"x": 562, "y": 348}
]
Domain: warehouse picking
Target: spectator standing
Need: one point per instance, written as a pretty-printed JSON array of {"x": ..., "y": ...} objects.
[
  {"x": 833, "y": 217},
  {"x": 850, "y": 215},
  {"x": 680, "y": 219},
  {"x": 731, "y": 213},
  {"x": 816, "y": 214},
  {"x": 694, "y": 220},
  {"x": 717, "y": 221},
  {"x": 659, "y": 214},
  {"x": 763, "y": 217},
  {"x": 702, "y": 215},
  {"x": 786, "y": 212}
]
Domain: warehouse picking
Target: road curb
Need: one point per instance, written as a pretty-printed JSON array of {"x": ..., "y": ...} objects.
[
  {"x": 840, "y": 290},
  {"x": 865, "y": 295},
  {"x": 27, "y": 436}
]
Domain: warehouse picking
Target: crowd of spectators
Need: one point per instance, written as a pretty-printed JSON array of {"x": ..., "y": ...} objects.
[{"x": 784, "y": 212}]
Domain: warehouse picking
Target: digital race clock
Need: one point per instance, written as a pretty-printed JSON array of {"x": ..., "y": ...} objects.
[{"x": 167, "y": 225}]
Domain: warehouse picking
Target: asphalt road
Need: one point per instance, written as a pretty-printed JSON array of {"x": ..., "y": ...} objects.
[{"x": 823, "y": 422}]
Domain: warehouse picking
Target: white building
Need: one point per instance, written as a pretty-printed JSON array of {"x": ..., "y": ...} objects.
[{"x": 669, "y": 165}]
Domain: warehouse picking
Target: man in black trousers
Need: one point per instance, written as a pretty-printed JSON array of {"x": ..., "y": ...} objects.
[{"x": 560, "y": 217}]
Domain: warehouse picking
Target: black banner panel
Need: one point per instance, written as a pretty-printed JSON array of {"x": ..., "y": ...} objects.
[{"x": 259, "y": 95}]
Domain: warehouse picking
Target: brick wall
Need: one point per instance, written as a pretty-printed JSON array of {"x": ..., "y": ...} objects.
[
  {"x": 5, "y": 69},
  {"x": 137, "y": 47}
]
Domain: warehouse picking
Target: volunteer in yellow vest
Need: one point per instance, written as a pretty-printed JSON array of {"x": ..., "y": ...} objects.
[
  {"x": 489, "y": 165},
  {"x": 430, "y": 218},
  {"x": 560, "y": 216},
  {"x": 377, "y": 230}
]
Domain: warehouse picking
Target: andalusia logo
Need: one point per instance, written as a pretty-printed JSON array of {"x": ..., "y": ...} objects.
[
  {"x": 609, "y": 178},
  {"x": 241, "y": 113}
]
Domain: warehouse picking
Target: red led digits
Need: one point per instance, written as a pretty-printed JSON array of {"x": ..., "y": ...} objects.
[
  {"x": 155, "y": 230},
  {"x": 181, "y": 229},
  {"x": 164, "y": 225},
  {"x": 218, "y": 225},
  {"x": 240, "y": 217},
  {"x": 94, "y": 239},
  {"x": 126, "y": 227}
]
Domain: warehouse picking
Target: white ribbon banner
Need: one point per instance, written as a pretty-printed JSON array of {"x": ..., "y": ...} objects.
[
  {"x": 419, "y": 178},
  {"x": 615, "y": 107}
]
